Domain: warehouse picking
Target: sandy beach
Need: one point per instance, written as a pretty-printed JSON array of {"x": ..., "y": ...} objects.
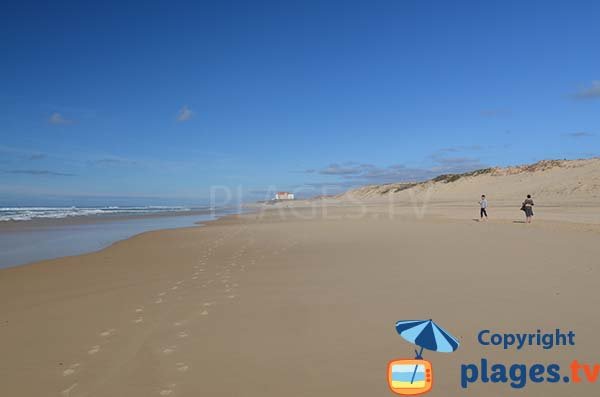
[
  {"x": 296, "y": 302},
  {"x": 299, "y": 199}
]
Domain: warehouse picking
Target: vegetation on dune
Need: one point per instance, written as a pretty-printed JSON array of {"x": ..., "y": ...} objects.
[
  {"x": 395, "y": 188},
  {"x": 447, "y": 178}
]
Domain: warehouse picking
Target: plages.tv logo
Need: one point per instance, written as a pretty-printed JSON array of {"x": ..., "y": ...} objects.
[{"x": 410, "y": 377}]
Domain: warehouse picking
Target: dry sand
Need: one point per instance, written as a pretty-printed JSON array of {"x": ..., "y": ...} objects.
[{"x": 299, "y": 302}]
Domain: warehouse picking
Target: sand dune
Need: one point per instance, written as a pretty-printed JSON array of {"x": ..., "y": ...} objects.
[{"x": 555, "y": 181}]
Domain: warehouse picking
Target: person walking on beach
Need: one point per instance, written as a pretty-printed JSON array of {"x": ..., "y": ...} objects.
[
  {"x": 527, "y": 206},
  {"x": 483, "y": 204}
]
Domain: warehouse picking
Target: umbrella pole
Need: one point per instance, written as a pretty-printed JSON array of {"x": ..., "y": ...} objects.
[{"x": 419, "y": 357}]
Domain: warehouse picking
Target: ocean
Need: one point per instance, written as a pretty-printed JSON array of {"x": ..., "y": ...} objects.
[
  {"x": 30, "y": 234},
  {"x": 29, "y": 213}
]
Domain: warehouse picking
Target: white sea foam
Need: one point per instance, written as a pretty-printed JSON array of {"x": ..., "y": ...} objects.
[{"x": 29, "y": 213}]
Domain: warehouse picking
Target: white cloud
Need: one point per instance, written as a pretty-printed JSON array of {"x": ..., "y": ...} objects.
[
  {"x": 58, "y": 119},
  {"x": 580, "y": 134},
  {"x": 591, "y": 92},
  {"x": 38, "y": 172},
  {"x": 354, "y": 173},
  {"x": 185, "y": 114}
]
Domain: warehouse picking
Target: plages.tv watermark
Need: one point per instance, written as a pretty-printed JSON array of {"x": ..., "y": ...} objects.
[
  {"x": 317, "y": 202},
  {"x": 414, "y": 376},
  {"x": 519, "y": 375}
]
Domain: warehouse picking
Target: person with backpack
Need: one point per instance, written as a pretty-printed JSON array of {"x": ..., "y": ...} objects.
[{"x": 527, "y": 206}]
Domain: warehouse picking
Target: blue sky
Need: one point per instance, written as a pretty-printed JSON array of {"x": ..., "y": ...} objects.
[{"x": 121, "y": 102}]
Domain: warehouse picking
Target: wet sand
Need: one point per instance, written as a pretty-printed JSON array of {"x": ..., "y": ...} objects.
[{"x": 296, "y": 302}]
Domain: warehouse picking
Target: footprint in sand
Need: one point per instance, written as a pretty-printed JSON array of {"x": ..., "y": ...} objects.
[
  {"x": 67, "y": 392},
  {"x": 94, "y": 350},
  {"x": 71, "y": 370},
  {"x": 108, "y": 333},
  {"x": 182, "y": 367},
  {"x": 169, "y": 350}
]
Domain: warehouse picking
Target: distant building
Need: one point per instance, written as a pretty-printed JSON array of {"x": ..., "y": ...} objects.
[{"x": 284, "y": 196}]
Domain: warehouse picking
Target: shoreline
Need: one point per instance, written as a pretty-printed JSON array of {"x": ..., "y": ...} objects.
[
  {"x": 373, "y": 210},
  {"x": 12, "y": 225},
  {"x": 58, "y": 238}
]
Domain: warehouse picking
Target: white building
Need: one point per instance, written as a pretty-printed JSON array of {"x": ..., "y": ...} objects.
[{"x": 284, "y": 196}]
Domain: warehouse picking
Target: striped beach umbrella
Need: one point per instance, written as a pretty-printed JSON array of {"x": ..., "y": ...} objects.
[{"x": 427, "y": 334}]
